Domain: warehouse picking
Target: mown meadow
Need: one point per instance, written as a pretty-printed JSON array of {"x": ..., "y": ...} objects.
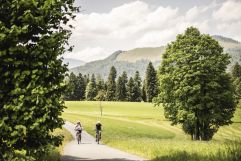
[{"x": 141, "y": 128}]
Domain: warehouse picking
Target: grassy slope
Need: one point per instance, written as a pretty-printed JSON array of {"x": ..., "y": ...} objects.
[{"x": 142, "y": 129}]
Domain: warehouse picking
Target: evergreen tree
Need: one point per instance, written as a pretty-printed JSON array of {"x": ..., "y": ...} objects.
[
  {"x": 124, "y": 77},
  {"x": 151, "y": 84},
  {"x": 120, "y": 89},
  {"x": 91, "y": 91},
  {"x": 33, "y": 36},
  {"x": 76, "y": 87},
  {"x": 143, "y": 92},
  {"x": 80, "y": 87},
  {"x": 131, "y": 90},
  {"x": 111, "y": 85},
  {"x": 195, "y": 89},
  {"x": 86, "y": 79},
  {"x": 100, "y": 84},
  {"x": 71, "y": 82},
  {"x": 137, "y": 87}
]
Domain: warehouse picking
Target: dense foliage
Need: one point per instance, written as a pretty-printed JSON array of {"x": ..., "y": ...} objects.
[
  {"x": 195, "y": 89},
  {"x": 32, "y": 74}
]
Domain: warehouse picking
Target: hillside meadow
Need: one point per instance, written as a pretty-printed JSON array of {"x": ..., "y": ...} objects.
[{"x": 141, "y": 128}]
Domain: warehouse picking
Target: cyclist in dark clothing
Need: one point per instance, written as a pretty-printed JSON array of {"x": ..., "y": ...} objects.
[{"x": 98, "y": 129}]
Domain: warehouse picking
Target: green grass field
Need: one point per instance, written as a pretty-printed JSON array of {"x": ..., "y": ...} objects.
[{"x": 140, "y": 128}]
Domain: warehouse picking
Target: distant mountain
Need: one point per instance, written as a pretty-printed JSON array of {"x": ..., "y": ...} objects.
[
  {"x": 148, "y": 53},
  {"x": 232, "y": 47},
  {"x": 73, "y": 62},
  {"x": 137, "y": 59}
]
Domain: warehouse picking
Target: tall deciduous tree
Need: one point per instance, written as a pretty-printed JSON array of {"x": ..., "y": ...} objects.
[
  {"x": 111, "y": 85},
  {"x": 91, "y": 90},
  {"x": 32, "y": 73},
  {"x": 195, "y": 89},
  {"x": 151, "y": 85}
]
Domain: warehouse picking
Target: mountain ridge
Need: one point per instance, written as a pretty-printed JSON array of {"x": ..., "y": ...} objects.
[{"x": 138, "y": 58}]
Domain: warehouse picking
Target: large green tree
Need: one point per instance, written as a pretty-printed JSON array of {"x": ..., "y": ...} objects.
[
  {"x": 111, "y": 85},
  {"x": 32, "y": 40},
  {"x": 151, "y": 85},
  {"x": 195, "y": 89}
]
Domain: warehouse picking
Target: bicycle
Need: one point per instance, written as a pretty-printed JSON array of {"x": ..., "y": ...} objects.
[
  {"x": 98, "y": 136},
  {"x": 78, "y": 136}
]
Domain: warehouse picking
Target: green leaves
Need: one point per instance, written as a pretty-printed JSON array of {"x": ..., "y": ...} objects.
[
  {"x": 194, "y": 85},
  {"x": 31, "y": 73}
]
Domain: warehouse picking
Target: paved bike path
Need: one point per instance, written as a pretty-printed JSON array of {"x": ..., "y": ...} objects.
[{"x": 89, "y": 150}]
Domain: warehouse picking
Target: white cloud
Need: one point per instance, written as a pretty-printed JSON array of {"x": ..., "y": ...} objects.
[
  {"x": 229, "y": 11},
  {"x": 155, "y": 38},
  {"x": 88, "y": 54},
  {"x": 137, "y": 24}
]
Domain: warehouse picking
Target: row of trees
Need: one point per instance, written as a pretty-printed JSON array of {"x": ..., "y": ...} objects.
[{"x": 114, "y": 89}]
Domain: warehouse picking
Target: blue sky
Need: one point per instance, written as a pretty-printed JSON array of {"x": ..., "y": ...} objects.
[{"x": 104, "y": 26}]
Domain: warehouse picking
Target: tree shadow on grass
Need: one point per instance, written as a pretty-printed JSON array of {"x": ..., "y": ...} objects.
[
  {"x": 184, "y": 156},
  {"x": 71, "y": 158}
]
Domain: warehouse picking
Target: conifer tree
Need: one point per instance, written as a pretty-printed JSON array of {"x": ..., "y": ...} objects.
[
  {"x": 91, "y": 91},
  {"x": 100, "y": 84},
  {"x": 80, "y": 87},
  {"x": 111, "y": 85},
  {"x": 143, "y": 91},
  {"x": 120, "y": 94},
  {"x": 151, "y": 85},
  {"x": 137, "y": 87},
  {"x": 131, "y": 90}
]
